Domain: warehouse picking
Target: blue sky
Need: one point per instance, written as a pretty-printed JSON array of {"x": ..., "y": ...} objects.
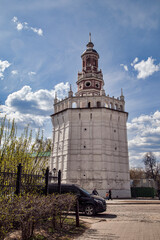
[{"x": 41, "y": 42}]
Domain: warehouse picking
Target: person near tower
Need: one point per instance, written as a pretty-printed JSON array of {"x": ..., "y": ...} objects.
[
  {"x": 110, "y": 194},
  {"x": 94, "y": 192}
]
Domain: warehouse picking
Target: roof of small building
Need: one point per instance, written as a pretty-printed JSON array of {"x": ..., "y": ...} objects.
[{"x": 41, "y": 154}]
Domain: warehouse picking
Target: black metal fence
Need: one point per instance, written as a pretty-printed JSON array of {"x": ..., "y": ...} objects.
[{"x": 16, "y": 182}]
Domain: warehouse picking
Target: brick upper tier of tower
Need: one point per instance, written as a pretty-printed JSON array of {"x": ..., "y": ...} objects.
[
  {"x": 90, "y": 84},
  {"x": 90, "y": 80}
]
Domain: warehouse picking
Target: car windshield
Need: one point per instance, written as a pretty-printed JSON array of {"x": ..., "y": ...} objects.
[{"x": 85, "y": 191}]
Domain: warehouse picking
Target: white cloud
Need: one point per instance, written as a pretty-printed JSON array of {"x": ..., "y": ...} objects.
[
  {"x": 145, "y": 68},
  {"x": 144, "y": 136},
  {"x": 14, "y": 72},
  {"x": 34, "y": 108},
  {"x": 134, "y": 61},
  {"x": 19, "y": 26},
  {"x": 125, "y": 67},
  {"x": 15, "y": 19},
  {"x": 38, "y": 31},
  {"x": 25, "y": 26},
  {"x": 62, "y": 89},
  {"x": 3, "y": 66},
  {"x": 31, "y": 73}
]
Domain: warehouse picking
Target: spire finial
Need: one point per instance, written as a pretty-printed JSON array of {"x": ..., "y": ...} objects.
[
  {"x": 121, "y": 92},
  {"x": 89, "y": 37},
  {"x": 70, "y": 93}
]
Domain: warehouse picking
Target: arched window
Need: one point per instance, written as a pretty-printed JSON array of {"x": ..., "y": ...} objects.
[
  {"x": 106, "y": 105},
  {"x": 89, "y": 104},
  {"x": 98, "y": 104},
  {"x": 121, "y": 107},
  {"x": 88, "y": 61},
  {"x": 74, "y": 105},
  {"x": 111, "y": 105}
]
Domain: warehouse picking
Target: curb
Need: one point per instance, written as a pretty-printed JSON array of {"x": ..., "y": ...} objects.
[{"x": 133, "y": 202}]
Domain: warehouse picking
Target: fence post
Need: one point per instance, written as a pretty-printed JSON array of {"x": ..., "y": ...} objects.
[
  {"x": 59, "y": 181},
  {"x": 18, "y": 183},
  {"x": 46, "y": 181},
  {"x": 77, "y": 213}
]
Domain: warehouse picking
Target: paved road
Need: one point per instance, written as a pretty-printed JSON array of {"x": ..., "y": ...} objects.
[{"x": 125, "y": 220}]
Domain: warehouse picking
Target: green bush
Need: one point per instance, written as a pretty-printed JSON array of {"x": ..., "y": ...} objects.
[{"x": 142, "y": 192}]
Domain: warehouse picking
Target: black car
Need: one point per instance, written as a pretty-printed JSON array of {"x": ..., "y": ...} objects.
[{"x": 88, "y": 203}]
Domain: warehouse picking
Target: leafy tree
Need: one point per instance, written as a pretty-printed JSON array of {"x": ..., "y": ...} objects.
[{"x": 16, "y": 149}]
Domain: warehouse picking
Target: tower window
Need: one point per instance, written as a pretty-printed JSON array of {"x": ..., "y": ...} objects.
[
  {"x": 88, "y": 84},
  {"x": 98, "y": 104},
  {"x": 97, "y": 84},
  {"x": 84, "y": 146},
  {"x": 89, "y": 105},
  {"x": 88, "y": 61}
]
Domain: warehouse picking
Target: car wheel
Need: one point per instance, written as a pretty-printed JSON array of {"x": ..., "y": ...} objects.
[{"x": 89, "y": 210}]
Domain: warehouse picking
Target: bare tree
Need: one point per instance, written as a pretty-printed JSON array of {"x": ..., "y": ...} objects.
[
  {"x": 137, "y": 173},
  {"x": 152, "y": 166}
]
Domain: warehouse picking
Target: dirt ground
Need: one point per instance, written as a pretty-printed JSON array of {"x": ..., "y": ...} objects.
[{"x": 125, "y": 221}]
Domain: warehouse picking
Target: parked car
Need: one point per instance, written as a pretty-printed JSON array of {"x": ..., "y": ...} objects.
[{"x": 88, "y": 203}]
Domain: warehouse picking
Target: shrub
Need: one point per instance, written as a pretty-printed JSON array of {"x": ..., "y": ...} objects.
[
  {"x": 61, "y": 207},
  {"x": 142, "y": 192},
  {"x": 29, "y": 209},
  {"x": 6, "y": 216},
  {"x": 25, "y": 211}
]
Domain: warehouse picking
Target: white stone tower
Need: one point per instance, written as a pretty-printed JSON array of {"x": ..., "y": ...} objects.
[{"x": 89, "y": 134}]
